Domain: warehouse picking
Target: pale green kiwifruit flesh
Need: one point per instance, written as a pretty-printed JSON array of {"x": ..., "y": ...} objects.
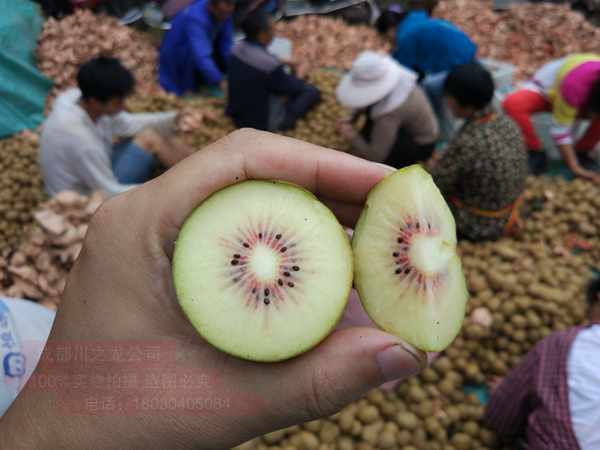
[
  {"x": 406, "y": 269},
  {"x": 262, "y": 270}
]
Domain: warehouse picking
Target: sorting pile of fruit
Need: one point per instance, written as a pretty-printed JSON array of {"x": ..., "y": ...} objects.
[
  {"x": 38, "y": 268},
  {"x": 324, "y": 42},
  {"x": 203, "y": 121},
  {"x": 21, "y": 189},
  {"x": 528, "y": 35}
]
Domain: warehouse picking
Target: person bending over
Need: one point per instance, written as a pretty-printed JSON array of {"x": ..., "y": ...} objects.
[
  {"x": 78, "y": 145},
  {"x": 570, "y": 89},
  {"x": 482, "y": 175},
  {"x": 262, "y": 94},
  {"x": 400, "y": 127},
  {"x": 430, "y": 46}
]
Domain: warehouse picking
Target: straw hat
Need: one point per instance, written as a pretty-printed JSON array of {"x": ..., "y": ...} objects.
[{"x": 372, "y": 77}]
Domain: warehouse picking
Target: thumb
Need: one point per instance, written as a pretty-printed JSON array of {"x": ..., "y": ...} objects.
[{"x": 340, "y": 370}]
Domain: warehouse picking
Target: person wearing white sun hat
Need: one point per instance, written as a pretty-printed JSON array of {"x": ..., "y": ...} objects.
[{"x": 401, "y": 127}]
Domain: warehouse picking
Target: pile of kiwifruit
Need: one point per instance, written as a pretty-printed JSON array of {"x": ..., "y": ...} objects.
[
  {"x": 21, "y": 187},
  {"x": 319, "y": 126},
  {"x": 522, "y": 289}
]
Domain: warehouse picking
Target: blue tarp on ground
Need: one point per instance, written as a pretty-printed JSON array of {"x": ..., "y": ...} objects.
[{"x": 23, "y": 89}]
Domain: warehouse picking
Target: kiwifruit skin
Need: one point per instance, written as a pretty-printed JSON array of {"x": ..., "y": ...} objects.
[{"x": 300, "y": 350}]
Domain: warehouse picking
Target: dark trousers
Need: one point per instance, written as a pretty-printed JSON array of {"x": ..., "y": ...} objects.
[
  {"x": 405, "y": 150},
  {"x": 297, "y": 106}
]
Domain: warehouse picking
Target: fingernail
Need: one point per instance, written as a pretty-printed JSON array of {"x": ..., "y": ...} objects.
[
  {"x": 385, "y": 166},
  {"x": 397, "y": 362}
]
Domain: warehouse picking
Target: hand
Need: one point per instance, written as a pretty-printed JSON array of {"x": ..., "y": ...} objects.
[
  {"x": 289, "y": 62},
  {"x": 120, "y": 291},
  {"x": 587, "y": 174},
  {"x": 346, "y": 130}
]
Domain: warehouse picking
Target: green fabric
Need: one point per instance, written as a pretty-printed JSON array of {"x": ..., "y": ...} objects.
[
  {"x": 23, "y": 89},
  {"x": 481, "y": 391}
]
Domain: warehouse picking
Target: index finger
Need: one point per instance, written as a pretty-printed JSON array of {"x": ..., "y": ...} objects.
[{"x": 249, "y": 154}]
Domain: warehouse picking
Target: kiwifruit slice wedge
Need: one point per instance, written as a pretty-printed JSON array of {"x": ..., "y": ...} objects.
[
  {"x": 407, "y": 272},
  {"x": 263, "y": 270}
]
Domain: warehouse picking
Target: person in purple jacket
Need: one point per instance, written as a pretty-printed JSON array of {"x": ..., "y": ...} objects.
[{"x": 195, "y": 51}]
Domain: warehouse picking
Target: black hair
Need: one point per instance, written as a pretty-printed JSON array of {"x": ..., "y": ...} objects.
[
  {"x": 593, "y": 100},
  {"x": 593, "y": 290},
  {"x": 255, "y": 23},
  {"x": 471, "y": 85},
  {"x": 104, "y": 78},
  {"x": 388, "y": 19}
]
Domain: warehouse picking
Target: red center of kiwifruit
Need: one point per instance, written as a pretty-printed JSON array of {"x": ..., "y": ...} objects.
[
  {"x": 255, "y": 290},
  {"x": 406, "y": 233}
]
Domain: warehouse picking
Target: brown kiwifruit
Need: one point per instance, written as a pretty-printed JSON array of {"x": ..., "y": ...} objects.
[
  {"x": 407, "y": 420},
  {"x": 457, "y": 396},
  {"x": 461, "y": 441},
  {"x": 446, "y": 387},
  {"x": 346, "y": 420},
  {"x": 432, "y": 425},
  {"x": 404, "y": 437},
  {"x": 471, "y": 428},
  {"x": 356, "y": 428},
  {"x": 308, "y": 441},
  {"x": 430, "y": 375},
  {"x": 443, "y": 364},
  {"x": 419, "y": 437},
  {"x": 472, "y": 370},
  {"x": 474, "y": 331},
  {"x": 389, "y": 409},
  {"x": 368, "y": 414},
  {"x": 440, "y": 435},
  {"x": 508, "y": 308},
  {"x": 345, "y": 443},
  {"x": 274, "y": 437},
  {"x": 387, "y": 439},
  {"x": 329, "y": 432},
  {"x": 520, "y": 336},
  {"x": 519, "y": 321},
  {"x": 370, "y": 433},
  {"x": 455, "y": 377},
  {"x": 376, "y": 396},
  {"x": 424, "y": 409},
  {"x": 364, "y": 446},
  {"x": 313, "y": 426},
  {"x": 454, "y": 412},
  {"x": 416, "y": 394}
]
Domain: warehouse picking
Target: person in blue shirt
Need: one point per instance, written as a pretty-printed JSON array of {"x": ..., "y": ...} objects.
[
  {"x": 431, "y": 47},
  {"x": 196, "y": 50},
  {"x": 262, "y": 92}
]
